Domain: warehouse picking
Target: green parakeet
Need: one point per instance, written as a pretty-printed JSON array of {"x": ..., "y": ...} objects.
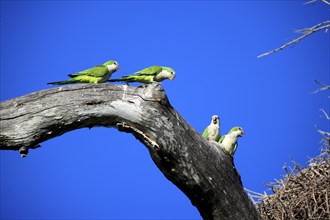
[
  {"x": 229, "y": 141},
  {"x": 148, "y": 75},
  {"x": 212, "y": 132},
  {"x": 97, "y": 74}
]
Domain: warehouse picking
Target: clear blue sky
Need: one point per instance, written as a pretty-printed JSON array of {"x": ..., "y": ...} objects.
[{"x": 212, "y": 45}]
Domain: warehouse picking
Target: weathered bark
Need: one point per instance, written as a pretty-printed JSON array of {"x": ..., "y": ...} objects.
[{"x": 205, "y": 173}]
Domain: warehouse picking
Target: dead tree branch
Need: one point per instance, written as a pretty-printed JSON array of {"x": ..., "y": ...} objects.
[
  {"x": 306, "y": 32},
  {"x": 205, "y": 173}
]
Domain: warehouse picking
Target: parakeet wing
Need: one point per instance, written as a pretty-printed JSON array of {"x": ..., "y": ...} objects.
[
  {"x": 234, "y": 149},
  {"x": 205, "y": 133},
  {"x": 97, "y": 71},
  {"x": 221, "y": 138},
  {"x": 153, "y": 70}
]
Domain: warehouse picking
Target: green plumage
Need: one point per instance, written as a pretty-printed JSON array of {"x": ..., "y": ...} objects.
[
  {"x": 212, "y": 132},
  {"x": 97, "y": 74},
  {"x": 148, "y": 75},
  {"x": 231, "y": 148},
  {"x": 205, "y": 133},
  {"x": 221, "y": 138},
  {"x": 229, "y": 141},
  {"x": 236, "y": 128},
  {"x": 97, "y": 71}
]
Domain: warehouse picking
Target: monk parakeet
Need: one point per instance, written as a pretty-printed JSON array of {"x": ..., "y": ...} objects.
[
  {"x": 229, "y": 141},
  {"x": 212, "y": 132},
  {"x": 97, "y": 74},
  {"x": 148, "y": 75}
]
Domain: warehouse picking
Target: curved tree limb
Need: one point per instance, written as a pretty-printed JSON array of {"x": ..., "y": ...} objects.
[{"x": 199, "y": 168}]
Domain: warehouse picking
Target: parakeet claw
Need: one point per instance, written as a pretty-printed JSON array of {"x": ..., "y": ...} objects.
[{"x": 144, "y": 85}]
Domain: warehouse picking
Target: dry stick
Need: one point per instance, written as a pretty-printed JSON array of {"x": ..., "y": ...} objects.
[
  {"x": 325, "y": 114},
  {"x": 253, "y": 192},
  {"x": 252, "y": 199},
  {"x": 327, "y": 202},
  {"x": 324, "y": 1},
  {"x": 324, "y": 87},
  {"x": 324, "y": 133},
  {"x": 313, "y": 195},
  {"x": 306, "y": 31}
]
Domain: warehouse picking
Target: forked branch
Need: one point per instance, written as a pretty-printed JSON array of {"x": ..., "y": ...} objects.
[{"x": 305, "y": 33}]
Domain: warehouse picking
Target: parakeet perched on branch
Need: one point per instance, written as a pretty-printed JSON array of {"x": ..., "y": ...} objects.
[
  {"x": 148, "y": 75},
  {"x": 212, "y": 132},
  {"x": 229, "y": 141},
  {"x": 97, "y": 74}
]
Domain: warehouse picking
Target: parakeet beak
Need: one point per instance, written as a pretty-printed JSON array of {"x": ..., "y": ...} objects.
[
  {"x": 117, "y": 67},
  {"x": 242, "y": 133}
]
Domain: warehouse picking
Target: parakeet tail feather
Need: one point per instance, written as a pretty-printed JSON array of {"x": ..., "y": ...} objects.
[{"x": 69, "y": 81}]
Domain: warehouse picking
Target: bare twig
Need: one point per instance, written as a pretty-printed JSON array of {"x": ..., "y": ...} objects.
[
  {"x": 306, "y": 32},
  {"x": 324, "y": 1},
  {"x": 324, "y": 133},
  {"x": 325, "y": 114},
  {"x": 327, "y": 202},
  {"x": 253, "y": 192},
  {"x": 310, "y": 2},
  {"x": 324, "y": 86},
  {"x": 252, "y": 199}
]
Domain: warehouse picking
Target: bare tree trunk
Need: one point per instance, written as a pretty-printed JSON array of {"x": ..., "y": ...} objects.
[{"x": 205, "y": 173}]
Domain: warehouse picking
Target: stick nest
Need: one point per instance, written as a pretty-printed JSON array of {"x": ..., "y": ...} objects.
[{"x": 304, "y": 193}]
